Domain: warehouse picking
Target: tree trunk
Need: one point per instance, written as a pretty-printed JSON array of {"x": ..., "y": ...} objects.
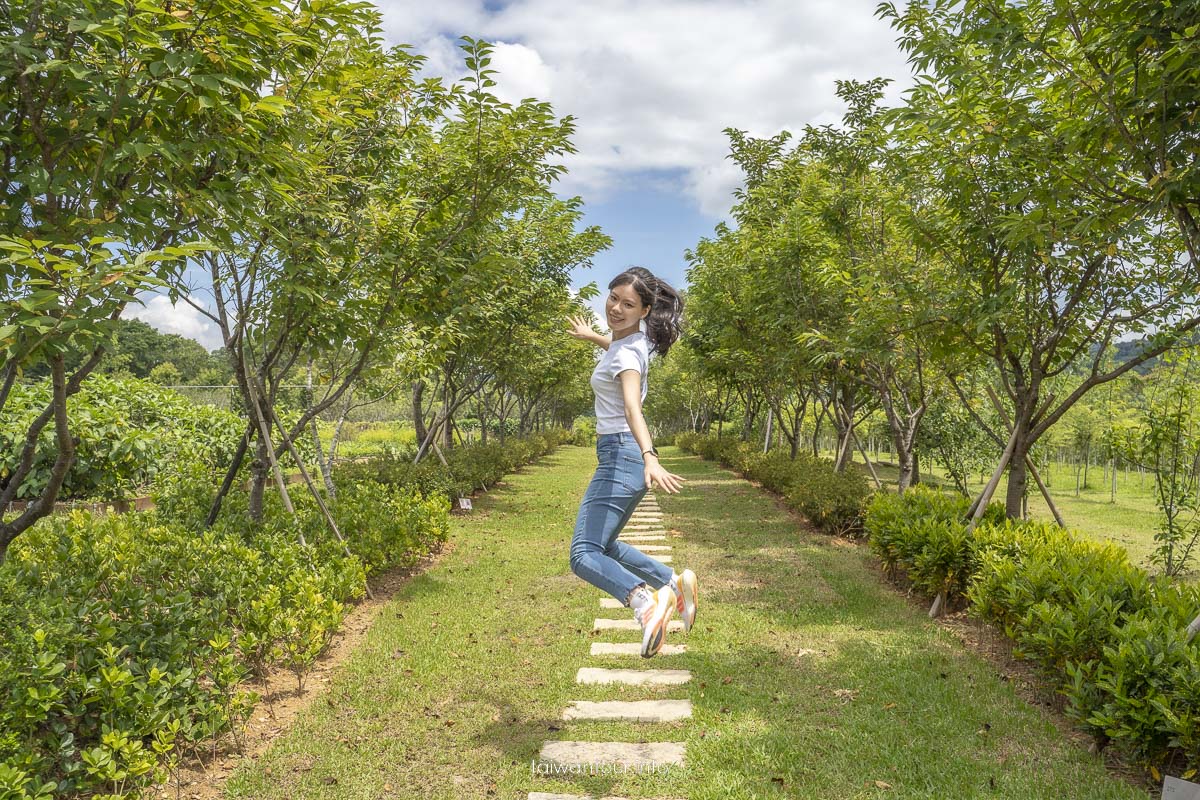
[
  {"x": 230, "y": 475},
  {"x": 906, "y": 461},
  {"x": 418, "y": 396},
  {"x": 1087, "y": 461},
  {"x": 749, "y": 413},
  {"x": 843, "y": 424},
  {"x": 447, "y": 434},
  {"x": 482, "y": 414},
  {"x": 259, "y": 470},
  {"x": 818, "y": 421},
  {"x": 323, "y": 463},
  {"x": 1017, "y": 480},
  {"x": 63, "y": 459}
]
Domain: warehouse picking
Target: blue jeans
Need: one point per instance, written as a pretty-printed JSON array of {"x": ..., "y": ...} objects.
[{"x": 617, "y": 487}]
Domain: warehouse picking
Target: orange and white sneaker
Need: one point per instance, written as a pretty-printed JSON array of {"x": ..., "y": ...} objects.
[
  {"x": 686, "y": 597},
  {"x": 654, "y": 619}
]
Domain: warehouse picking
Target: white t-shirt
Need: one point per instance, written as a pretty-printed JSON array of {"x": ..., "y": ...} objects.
[{"x": 631, "y": 352}]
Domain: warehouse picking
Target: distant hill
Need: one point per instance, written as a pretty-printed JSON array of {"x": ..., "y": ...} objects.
[
  {"x": 137, "y": 349},
  {"x": 1127, "y": 350}
]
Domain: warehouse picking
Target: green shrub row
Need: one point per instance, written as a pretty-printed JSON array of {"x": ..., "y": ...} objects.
[
  {"x": 583, "y": 432},
  {"x": 833, "y": 501},
  {"x": 127, "y": 430},
  {"x": 469, "y": 467},
  {"x": 1112, "y": 637},
  {"x": 127, "y": 639}
]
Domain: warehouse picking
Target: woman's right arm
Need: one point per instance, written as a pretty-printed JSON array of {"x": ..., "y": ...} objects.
[{"x": 582, "y": 329}]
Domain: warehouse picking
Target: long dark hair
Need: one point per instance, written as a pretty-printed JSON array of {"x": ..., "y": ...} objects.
[{"x": 666, "y": 306}]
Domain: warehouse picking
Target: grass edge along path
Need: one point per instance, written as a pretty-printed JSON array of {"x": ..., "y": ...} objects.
[{"x": 810, "y": 676}]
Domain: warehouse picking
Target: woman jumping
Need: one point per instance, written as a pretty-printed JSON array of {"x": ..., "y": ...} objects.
[{"x": 628, "y": 462}]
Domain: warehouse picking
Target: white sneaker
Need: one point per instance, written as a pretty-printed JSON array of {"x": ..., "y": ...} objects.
[
  {"x": 654, "y": 619},
  {"x": 686, "y": 590}
]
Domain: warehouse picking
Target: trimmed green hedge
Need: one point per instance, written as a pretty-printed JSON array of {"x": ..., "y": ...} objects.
[
  {"x": 469, "y": 467},
  {"x": 128, "y": 430},
  {"x": 126, "y": 639},
  {"x": 833, "y": 501},
  {"x": 1111, "y": 636}
]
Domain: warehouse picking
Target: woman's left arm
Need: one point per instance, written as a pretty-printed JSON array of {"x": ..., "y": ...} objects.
[{"x": 631, "y": 392}]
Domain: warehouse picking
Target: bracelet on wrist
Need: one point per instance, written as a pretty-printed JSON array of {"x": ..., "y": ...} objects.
[{"x": 652, "y": 451}]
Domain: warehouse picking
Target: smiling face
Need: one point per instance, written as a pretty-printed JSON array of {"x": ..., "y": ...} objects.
[{"x": 624, "y": 310}]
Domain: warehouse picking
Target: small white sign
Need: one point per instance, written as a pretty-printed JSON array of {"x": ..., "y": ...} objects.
[
  {"x": 1179, "y": 789},
  {"x": 464, "y": 503}
]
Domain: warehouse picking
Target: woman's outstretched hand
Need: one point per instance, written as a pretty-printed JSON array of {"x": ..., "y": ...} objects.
[
  {"x": 656, "y": 474},
  {"x": 581, "y": 328}
]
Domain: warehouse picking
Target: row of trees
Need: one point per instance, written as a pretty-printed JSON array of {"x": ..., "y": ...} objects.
[
  {"x": 343, "y": 221},
  {"x": 968, "y": 264}
]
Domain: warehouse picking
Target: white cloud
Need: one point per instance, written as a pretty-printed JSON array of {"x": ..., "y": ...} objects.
[
  {"x": 523, "y": 71},
  {"x": 415, "y": 21},
  {"x": 180, "y": 318},
  {"x": 653, "y": 84}
]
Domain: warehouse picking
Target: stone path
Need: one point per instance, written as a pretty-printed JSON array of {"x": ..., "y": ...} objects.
[{"x": 645, "y": 525}]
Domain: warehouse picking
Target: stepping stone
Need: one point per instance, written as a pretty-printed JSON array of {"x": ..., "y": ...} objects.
[
  {"x": 652, "y": 548},
  {"x": 633, "y": 677},
  {"x": 643, "y": 537},
  {"x": 634, "y": 649},
  {"x": 645, "y": 528},
  {"x": 629, "y": 710},
  {"x": 629, "y": 754},
  {"x": 611, "y": 602},
  {"x": 630, "y": 625},
  {"x": 552, "y": 796},
  {"x": 663, "y": 559}
]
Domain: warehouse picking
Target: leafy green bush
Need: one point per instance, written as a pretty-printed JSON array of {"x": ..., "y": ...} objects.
[
  {"x": 924, "y": 533},
  {"x": 128, "y": 430},
  {"x": 428, "y": 478},
  {"x": 127, "y": 638},
  {"x": 583, "y": 432},
  {"x": 775, "y": 470},
  {"x": 1143, "y": 690},
  {"x": 123, "y": 650},
  {"x": 833, "y": 501},
  {"x": 388, "y": 526},
  {"x": 687, "y": 440},
  {"x": 1112, "y": 637},
  {"x": 132, "y": 635},
  {"x": 469, "y": 467}
]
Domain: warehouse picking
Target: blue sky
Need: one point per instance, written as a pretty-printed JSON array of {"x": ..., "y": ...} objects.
[
  {"x": 652, "y": 86},
  {"x": 651, "y": 226}
]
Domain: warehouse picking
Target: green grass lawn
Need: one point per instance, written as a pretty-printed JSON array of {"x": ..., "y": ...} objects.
[{"x": 811, "y": 678}]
